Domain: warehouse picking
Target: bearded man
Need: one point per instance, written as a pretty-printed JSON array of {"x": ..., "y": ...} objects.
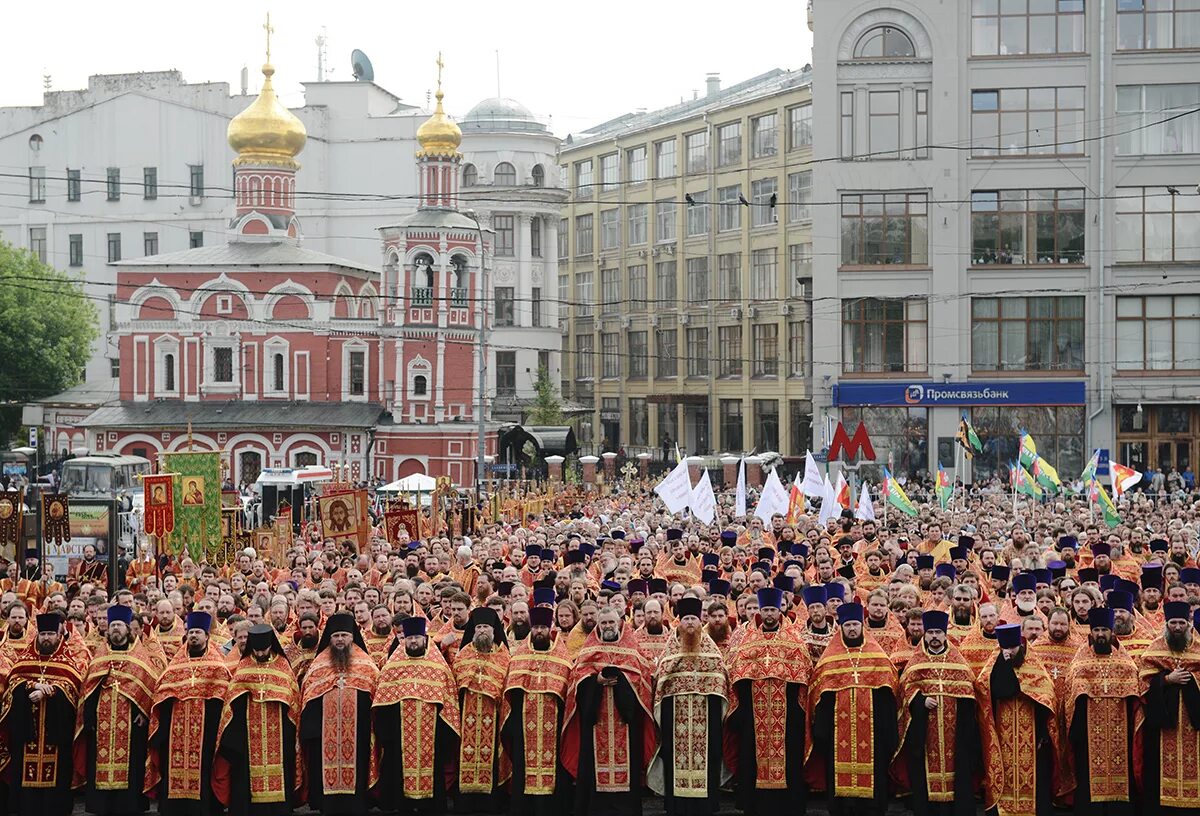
[
  {"x": 1057, "y": 648},
  {"x": 379, "y": 636},
  {"x": 170, "y": 630},
  {"x": 717, "y": 626},
  {"x": 608, "y": 734},
  {"x": 258, "y": 734},
  {"x": 531, "y": 718},
  {"x": 335, "y": 723},
  {"x": 979, "y": 646},
  {"x": 766, "y": 734},
  {"x": 1133, "y": 636},
  {"x": 652, "y": 637},
  {"x": 882, "y": 625},
  {"x": 817, "y": 632},
  {"x": 114, "y": 720},
  {"x": 480, "y": 667},
  {"x": 1168, "y": 682},
  {"x": 303, "y": 649},
  {"x": 38, "y": 714}
]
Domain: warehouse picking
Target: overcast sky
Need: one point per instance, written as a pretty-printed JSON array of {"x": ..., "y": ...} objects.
[{"x": 579, "y": 63}]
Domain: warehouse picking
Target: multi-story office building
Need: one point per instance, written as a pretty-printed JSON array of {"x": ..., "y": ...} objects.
[
  {"x": 685, "y": 272},
  {"x": 1006, "y": 227}
]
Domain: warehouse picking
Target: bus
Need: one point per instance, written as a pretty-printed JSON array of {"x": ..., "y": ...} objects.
[{"x": 105, "y": 476}]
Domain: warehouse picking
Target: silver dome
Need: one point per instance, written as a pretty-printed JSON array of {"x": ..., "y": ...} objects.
[{"x": 500, "y": 114}]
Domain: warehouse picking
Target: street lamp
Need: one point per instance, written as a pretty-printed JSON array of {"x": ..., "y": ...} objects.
[{"x": 483, "y": 315}]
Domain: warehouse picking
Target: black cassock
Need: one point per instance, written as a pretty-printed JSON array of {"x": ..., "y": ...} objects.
[
  {"x": 1005, "y": 686},
  {"x": 587, "y": 701},
  {"x": 883, "y": 706},
  {"x": 207, "y": 804},
  {"x": 968, "y": 758},
  {"x": 1079, "y": 748},
  {"x": 521, "y": 803},
  {"x": 391, "y": 763},
  {"x": 60, "y": 732},
  {"x": 1162, "y": 711},
  {"x": 131, "y": 799},
  {"x": 235, "y": 746},
  {"x": 791, "y": 801},
  {"x": 682, "y": 805},
  {"x": 341, "y": 804}
]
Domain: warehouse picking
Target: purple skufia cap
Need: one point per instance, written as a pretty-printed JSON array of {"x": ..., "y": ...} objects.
[
  {"x": 541, "y": 616},
  {"x": 935, "y": 619},
  {"x": 1119, "y": 599},
  {"x": 771, "y": 597},
  {"x": 835, "y": 591},
  {"x": 1009, "y": 635},
  {"x": 1108, "y": 581},
  {"x": 1101, "y": 548},
  {"x": 813, "y": 595},
  {"x": 850, "y": 612},
  {"x": 198, "y": 620},
  {"x": 1176, "y": 610},
  {"x": 411, "y": 627},
  {"x": 1100, "y": 618}
]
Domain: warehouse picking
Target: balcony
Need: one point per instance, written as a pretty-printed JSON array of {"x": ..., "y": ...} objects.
[
  {"x": 460, "y": 297},
  {"x": 422, "y": 296}
]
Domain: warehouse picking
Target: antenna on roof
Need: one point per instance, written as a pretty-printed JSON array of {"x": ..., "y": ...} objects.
[
  {"x": 46, "y": 82},
  {"x": 361, "y": 66},
  {"x": 320, "y": 41},
  {"x": 498, "y": 72}
]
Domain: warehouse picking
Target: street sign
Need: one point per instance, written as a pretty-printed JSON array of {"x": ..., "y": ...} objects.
[
  {"x": 853, "y": 448},
  {"x": 33, "y": 437},
  {"x": 1102, "y": 462}
]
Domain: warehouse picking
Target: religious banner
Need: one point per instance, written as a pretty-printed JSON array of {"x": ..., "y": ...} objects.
[
  {"x": 344, "y": 517},
  {"x": 408, "y": 520},
  {"x": 283, "y": 538},
  {"x": 12, "y": 506},
  {"x": 197, "y": 501},
  {"x": 56, "y": 517},
  {"x": 230, "y": 534},
  {"x": 159, "y": 518}
]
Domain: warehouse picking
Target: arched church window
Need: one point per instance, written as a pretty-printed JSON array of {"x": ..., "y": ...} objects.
[{"x": 885, "y": 42}]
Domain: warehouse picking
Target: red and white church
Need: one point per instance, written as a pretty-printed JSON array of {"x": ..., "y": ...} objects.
[{"x": 288, "y": 357}]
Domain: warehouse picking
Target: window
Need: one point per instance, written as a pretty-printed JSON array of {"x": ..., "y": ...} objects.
[
  {"x": 1157, "y": 24},
  {"x": 1158, "y": 333},
  {"x": 885, "y": 228},
  {"x": 800, "y": 269},
  {"x": 1027, "y": 122},
  {"x": 667, "y": 351},
  {"x": 150, "y": 183},
  {"x": 610, "y": 229},
  {"x": 668, "y": 422},
  {"x": 796, "y": 349},
  {"x": 1059, "y": 433},
  {"x": 729, "y": 351},
  {"x": 420, "y": 386},
  {"x": 697, "y": 151},
  {"x": 505, "y": 234},
  {"x": 585, "y": 361},
  {"x": 37, "y": 243},
  {"x": 637, "y": 215},
  {"x": 800, "y": 424},
  {"x": 610, "y": 355},
  {"x": 113, "y": 183},
  {"x": 766, "y": 424},
  {"x": 538, "y": 175},
  {"x": 222, "y": 358},
  {"x": 75, "y": 243},
  {"x": 697, "y": 280},
  {"x": 884, "y": 335},
  {"x": 800, "y": 196},
  {"x": 610, "y": 290},
  {"x": 1143, "y": 111},
  {"x": 543, "y": 362},
  {"x": 37, "y": 185},
  {"x": 195, "y": 239},
  {"x": 277, "y": 372},
  {"x": 610, "y": 172},
  {"x": 729, "y": 145},
  {"x": 506, "y": 373},
  {"x": 114, "y": 367},
  {"x": 358, "y": 380},
  {"x": 470, "y": 176},
  {"x": 1027, "y": 334},
  {"x": 764, "y": 344},
  {"x": 584, "y": 242},
  {"x": 900, "y": 435},
  {"x": 731, "y": 424},
  {"x": 149, "y": 243},
  {"x": 921, "y": 121},
  {"x": 535, "y": 236},
  {"x": 564, "y": 239},
  {"x": 638, "y": 359},
  {"x": 847, "y": 125},
  {"x": 764, "y": 136},
  {"x": 764, "y": 272},
  {"x": 1153, "y": 225},
  {"x": 584, "y": 294},
  {"x": 564, "y": 295},
  {"x": 697, "y": 352},
  {"x": 800, "y": 126},
  {"x": 664, "y": 159},
  {"x": 196, "y": 180},
  {"x": 584, "y": 179},
  {"x": 505, "y": 175},
  {"x": 883, "y": 131},
  {"x": 885, "y": 42},
  {"x": 74, "y": 185},
  {"x": 1013, "y": 27},
  {"x": 664, "y": 221},
  {"x": 168, "y": 362},
  {"x": 729, "y": 276},
  {"x": 729, "y": 209},
  {"x": 762, "y": 201},
  {"x": 635, "y": 164},
  {"x": 1027, "y": 227},
  {"x": 504, "y": 306},
  {"x": 114, "y": 247},
  {"x": 639, "y": 294},
  {"x": 697, "y": 215},
  {"x": 639, "y": 422},
  {"x": 665, "y": 288}
]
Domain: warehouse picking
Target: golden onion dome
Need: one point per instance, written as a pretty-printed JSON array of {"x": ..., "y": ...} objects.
[
  {"x": 439, "y": 136},
  {"x": 267, "y": 132}
]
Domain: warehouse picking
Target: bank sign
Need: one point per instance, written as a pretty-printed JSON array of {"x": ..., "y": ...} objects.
[{"x": 930, "y": 395}]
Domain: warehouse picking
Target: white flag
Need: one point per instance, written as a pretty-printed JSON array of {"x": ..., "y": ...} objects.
[
  {"x": 739, "y": 504},
  {"x": 704, "y": 501},
  {"x": 829, "y": 506},
  {"x": 676, "y": 489},
  {"x": 812, "y": 485},
  {"x": 866, "y": 510},
  {"x": 773, "y": 499}
]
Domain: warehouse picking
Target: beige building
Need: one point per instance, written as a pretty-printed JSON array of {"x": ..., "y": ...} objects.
[{"x": 685, "y": 273}]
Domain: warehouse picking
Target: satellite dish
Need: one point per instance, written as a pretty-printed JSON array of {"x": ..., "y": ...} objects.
[{"x": 361, "y": 66}]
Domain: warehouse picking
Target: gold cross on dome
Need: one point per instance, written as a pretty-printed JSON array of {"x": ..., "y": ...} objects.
[
  {"x": 440, "y": 65},
  {"x": 267, "y": 28}
]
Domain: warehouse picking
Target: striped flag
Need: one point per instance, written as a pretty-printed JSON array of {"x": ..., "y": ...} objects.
[
  {"x": 968, "y": 439},
  {"x": 1046, "y": 475},
  {"x": 943, "y": 488},
  {"x": 795, "y": 501},
  {"x": 1099, "y": 495},
  {"x": 1029, "y": 452},
  {"x": 1022, "y": 482},
  {"x": 894, "y": 494},
  {"x": 1123, "y": 478}
]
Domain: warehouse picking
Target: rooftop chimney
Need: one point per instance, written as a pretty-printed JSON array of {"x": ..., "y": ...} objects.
[{"x": 714, "y": 84}]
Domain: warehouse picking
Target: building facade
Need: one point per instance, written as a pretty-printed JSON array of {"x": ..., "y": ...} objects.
[
  {"x": 685, "y": 260},
  {"x": 1004, "y": 228}
]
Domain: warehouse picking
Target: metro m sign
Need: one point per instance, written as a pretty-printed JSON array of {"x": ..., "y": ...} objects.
[{"x": 853, "y": 449}]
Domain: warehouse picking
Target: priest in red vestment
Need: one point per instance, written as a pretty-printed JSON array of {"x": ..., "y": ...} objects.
[{"x": 480, "y": 668}]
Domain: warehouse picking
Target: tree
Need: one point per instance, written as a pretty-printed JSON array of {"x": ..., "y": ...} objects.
[
  {"x": 47, "y": 327},
  {"x": 547, "y": 407}
]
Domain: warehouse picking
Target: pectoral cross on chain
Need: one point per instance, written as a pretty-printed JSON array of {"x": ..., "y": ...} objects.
[
  {"x": 1104, "y": 685},
  {"x": 854, "y": 674},
  {"x": 1054, "y": 672}
]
